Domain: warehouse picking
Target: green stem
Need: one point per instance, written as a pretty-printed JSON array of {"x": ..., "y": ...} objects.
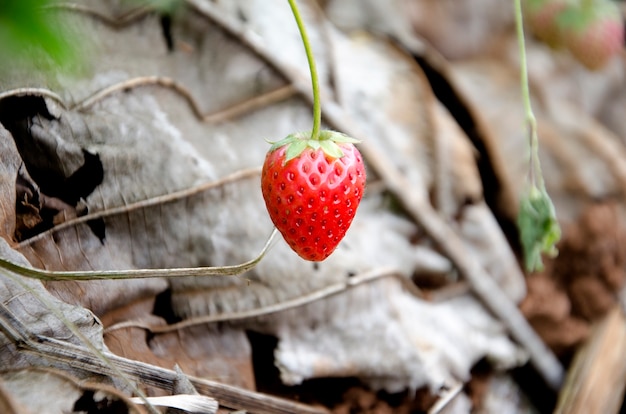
[
  {"x": 317, "y": 107},
  {"x": 79, "y": 275},
  {"x": 535, "y": 176}
]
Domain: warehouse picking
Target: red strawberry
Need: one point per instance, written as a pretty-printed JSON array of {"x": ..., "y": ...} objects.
[
  {"x": 594, "y": 35},
  {"x": 542, "y": 16},
  {"x": 312, "y": 189}
]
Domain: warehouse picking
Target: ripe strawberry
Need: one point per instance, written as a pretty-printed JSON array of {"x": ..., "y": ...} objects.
[
  {"x": 312, "y": 189},
  {"x": 542, "y": 18},
  {"x": 594, "y": 34}
]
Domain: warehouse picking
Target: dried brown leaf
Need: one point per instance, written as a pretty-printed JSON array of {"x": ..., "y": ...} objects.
[
  {"x": 139, "y": 117},
  {"x": 70, "y": 393}
]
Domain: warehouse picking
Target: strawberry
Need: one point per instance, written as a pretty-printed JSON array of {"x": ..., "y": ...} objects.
[
  {"x": 594, "y": 34},
  {"x": 542, "y": 18},
  {"x": 312, "y": 189}
]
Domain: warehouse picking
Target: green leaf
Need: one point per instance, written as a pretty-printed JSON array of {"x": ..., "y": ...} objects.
[
  {"x": 331, "y": 149},
  {"x": 538, "y": 227},
  {"x": 32, "y": 33}
]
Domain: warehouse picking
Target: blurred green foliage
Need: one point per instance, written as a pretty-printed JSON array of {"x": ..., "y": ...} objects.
[
  {"x": 33, "y": 34},
  {"x": 37, "y": 35}
]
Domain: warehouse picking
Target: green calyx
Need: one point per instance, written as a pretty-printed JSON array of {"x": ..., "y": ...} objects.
[
  {"x": 538, "y": 227},
  {"x": 327, "y": 141}
]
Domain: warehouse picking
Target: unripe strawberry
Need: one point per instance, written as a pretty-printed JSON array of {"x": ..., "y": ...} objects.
[
  {"x": 312, "y": 189},
  {"x": 542, "y": 18},
  {"x": 594, "y": 35}
]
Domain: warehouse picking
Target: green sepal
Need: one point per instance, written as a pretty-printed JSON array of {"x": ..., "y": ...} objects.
[
  {"x": 314, "y": 144},
  {"x": 337, "y": 137},
  {"x": 331, "y": 149},
  {"x": 295, "y": 149},
  {"x": 538, "y": 227},
  {"x": 299, "y": 141},
  {"x": 285, "y": 141}
]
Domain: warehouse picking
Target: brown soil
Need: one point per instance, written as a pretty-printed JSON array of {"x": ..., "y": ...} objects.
[
  {"x": 581, "y": 283},
  {"x": 362, "y": 400}
]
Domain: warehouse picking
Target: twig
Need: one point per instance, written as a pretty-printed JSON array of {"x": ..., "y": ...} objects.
[
  {"x": 328, "y": 291},
  {"x": 188, "y": 403},
  {"x": 137, "y": 82},
  {"x": 250, "y": 105},
  {"x": 21, "y": 335},
  {"x": 234, "y": 111},
  {"x": 153, "y": 201},
  {"x": 125, "y": 19},
  {"x": 446, "y": 399},
  {"x": 33, "y": 92},
  {"x": 82, "y": 358},
  {"x": 277, "y": 95}
]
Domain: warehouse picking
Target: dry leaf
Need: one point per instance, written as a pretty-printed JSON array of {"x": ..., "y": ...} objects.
[
  {"x": 70, "y": 394},
  {"x": 165, "y": 145},
  {"x": 390, "y": 339},
  {"x": 221, "y": 355},
  {"x": 457, "y": 29}
]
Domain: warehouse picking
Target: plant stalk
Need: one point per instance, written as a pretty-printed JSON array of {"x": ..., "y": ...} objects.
[
  {"x": 534, "y": 171},
  {"x": 317, "y": 107}
]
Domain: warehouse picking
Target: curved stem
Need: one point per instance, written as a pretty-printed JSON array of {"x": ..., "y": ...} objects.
[
  {"x": 534, "y": 172},
  {"x": 317, "y": 107},
  {"x": 78, "y": 275}
]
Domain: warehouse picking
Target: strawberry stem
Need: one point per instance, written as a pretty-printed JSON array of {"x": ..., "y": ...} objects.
[
  {"x": 534, "y": 171},
  {"x": 538, "y": 227},
  {"x": 317, "y": 107}
]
